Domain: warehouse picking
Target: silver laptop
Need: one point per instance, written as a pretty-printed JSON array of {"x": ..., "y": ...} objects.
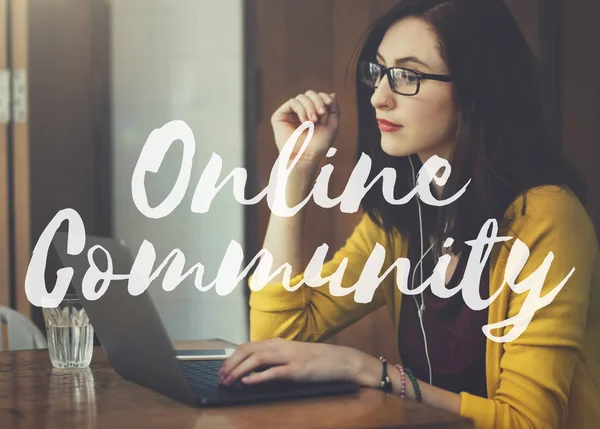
[{"x": 137, "y": 345}]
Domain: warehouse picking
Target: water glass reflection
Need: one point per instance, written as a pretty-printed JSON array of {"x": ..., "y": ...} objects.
[
  {"x": 70, "y": 334},
  {"x": 72, "y": 401}
]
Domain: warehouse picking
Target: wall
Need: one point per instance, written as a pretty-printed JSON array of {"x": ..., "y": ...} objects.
[
  {"x": 181, "y": 60},
  {"x": 579, "y": 68}
]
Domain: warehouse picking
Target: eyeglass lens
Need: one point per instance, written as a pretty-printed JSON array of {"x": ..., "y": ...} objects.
[{"x": 403, "y": 81}]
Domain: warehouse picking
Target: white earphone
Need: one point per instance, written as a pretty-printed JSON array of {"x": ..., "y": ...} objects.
[{"x": 421, "y": 308}]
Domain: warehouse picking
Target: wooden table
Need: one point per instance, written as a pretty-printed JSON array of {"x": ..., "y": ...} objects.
[{"x": 33, "y": 394}]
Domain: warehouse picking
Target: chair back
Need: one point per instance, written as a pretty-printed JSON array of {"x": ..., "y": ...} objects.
[{"x": 23, "y": 334}]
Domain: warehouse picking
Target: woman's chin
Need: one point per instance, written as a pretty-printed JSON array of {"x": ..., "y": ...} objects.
[{"x": 396, "y": 148}]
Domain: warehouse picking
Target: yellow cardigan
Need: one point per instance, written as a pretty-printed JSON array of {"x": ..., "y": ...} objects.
[{"x": 549, "y": 377}]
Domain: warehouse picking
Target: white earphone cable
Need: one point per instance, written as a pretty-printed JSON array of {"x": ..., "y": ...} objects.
[{"x": 421, "y": 308}]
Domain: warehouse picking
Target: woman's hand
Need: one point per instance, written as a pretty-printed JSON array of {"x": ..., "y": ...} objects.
[
  {"x": 320, "y": 108},
  {"x": 291, "y": 360},
  {"x": 318, "y": 362}
]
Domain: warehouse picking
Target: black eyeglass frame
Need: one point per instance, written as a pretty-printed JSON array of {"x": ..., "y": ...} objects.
[{"x": 420, "y": 76}]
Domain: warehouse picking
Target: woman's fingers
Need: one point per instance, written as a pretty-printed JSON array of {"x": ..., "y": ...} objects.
[
  {"x": 249, "y": 357},
  {"x": 254, "y": 362},
  {"x": 333, "y": 106},
  {"x": 322, "y": 103},
  {"x": 317, "y": 101},
  {"x": 327, "y": 98},
  {"x": 240, "y": 354},
  {"x": 309, "y": 107},
  {"x": 275, "y": 373},
  {"x": 299, "y": 109}
]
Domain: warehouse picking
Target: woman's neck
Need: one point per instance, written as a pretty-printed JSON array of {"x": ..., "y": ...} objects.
[{"x": 445, "y": 154}]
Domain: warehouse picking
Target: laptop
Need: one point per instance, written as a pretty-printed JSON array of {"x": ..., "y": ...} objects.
[{"x": 137, "y": 346}]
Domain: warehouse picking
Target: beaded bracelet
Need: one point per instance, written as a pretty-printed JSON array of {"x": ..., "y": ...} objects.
[
  {"x": 400, "y": 368},
  {"x": 415, "y": 384},
  {"x": 386, "y": 383}
]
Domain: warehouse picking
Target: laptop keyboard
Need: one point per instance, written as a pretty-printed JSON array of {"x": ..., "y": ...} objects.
[{"x": 202, "y": 373}]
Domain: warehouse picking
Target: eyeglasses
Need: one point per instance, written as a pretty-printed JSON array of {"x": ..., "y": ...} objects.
[{"x": 402, "y": 81}]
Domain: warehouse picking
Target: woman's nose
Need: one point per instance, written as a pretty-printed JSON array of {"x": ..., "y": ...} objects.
[{"x": 383, "y": 97}]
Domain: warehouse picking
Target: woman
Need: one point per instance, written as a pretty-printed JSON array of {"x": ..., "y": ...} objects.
[{"x": 456, "y": 79}]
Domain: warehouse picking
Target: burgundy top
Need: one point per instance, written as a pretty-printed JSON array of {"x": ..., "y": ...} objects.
[{"x": 455, "y": 341}]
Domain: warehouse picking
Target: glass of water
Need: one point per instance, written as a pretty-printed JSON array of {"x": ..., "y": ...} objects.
[{"x": 70, "y": 334}]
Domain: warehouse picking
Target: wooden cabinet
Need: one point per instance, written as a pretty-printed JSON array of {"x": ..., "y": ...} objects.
[
  {"x": 15, "y": 246},
  {"x": 54, "y": 150},
  {"x": 4, "y": 162}
]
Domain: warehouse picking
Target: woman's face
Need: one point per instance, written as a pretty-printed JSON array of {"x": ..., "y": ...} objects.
[{"x": 429, "y": 118}]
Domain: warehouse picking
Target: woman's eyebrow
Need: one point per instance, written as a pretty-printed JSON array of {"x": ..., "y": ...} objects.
[{"x": 403, "y": 60}]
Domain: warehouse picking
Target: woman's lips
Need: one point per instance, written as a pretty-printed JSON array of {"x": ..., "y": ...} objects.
[{"x": 387, "y": 126}]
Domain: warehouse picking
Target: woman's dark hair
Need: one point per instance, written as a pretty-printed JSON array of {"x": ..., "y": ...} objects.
[{"x": 502, "y": 141}]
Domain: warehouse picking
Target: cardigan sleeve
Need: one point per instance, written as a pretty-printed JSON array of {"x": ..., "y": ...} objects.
[
  {"x": 313, "y": 313},
  {"x": 537, "y": 367}
]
